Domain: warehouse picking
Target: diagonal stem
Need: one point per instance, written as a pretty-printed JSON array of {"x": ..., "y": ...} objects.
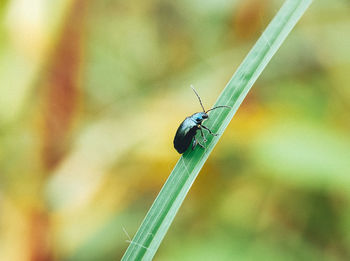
[{"x": 162, "y": 212}]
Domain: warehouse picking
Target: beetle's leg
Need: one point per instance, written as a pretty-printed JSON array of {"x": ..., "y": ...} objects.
[
  {"x": 202, "y": 134},
  {"x": 195, "y": 143},
  {"x": 214, "y": 134}
]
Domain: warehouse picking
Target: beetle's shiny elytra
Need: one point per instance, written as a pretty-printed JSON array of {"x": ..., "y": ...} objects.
[{"x": 188, "y": 128}]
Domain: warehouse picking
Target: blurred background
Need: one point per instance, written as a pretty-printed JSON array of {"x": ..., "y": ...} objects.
[{"x": 92, "y": 93}]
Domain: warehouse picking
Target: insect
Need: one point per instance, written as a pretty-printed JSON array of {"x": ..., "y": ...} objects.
[{"x": 188, "y": 128}]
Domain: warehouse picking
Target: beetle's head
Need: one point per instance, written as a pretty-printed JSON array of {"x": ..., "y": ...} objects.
[{"x": 199, "y": 117}]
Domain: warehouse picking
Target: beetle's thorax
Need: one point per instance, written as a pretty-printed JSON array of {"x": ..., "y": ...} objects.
[{"x": 199, "y": 117}]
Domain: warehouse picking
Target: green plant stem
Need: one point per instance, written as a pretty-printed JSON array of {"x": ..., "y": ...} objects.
[{"x": 161, "y": 214}]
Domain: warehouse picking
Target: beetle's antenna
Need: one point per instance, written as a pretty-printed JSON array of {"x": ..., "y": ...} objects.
[
  {"x": 221, "y": 106},
  {"x": 199, "y": 98}
]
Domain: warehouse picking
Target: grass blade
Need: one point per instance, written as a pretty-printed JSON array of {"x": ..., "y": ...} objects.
[{"x": 162, "y": 212}]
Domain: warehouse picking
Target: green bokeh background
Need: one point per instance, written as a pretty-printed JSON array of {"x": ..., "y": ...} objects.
[{"x": 92, "y": 93}]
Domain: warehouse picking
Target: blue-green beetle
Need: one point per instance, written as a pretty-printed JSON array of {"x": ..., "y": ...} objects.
[{"x": 188, "y": 128}]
